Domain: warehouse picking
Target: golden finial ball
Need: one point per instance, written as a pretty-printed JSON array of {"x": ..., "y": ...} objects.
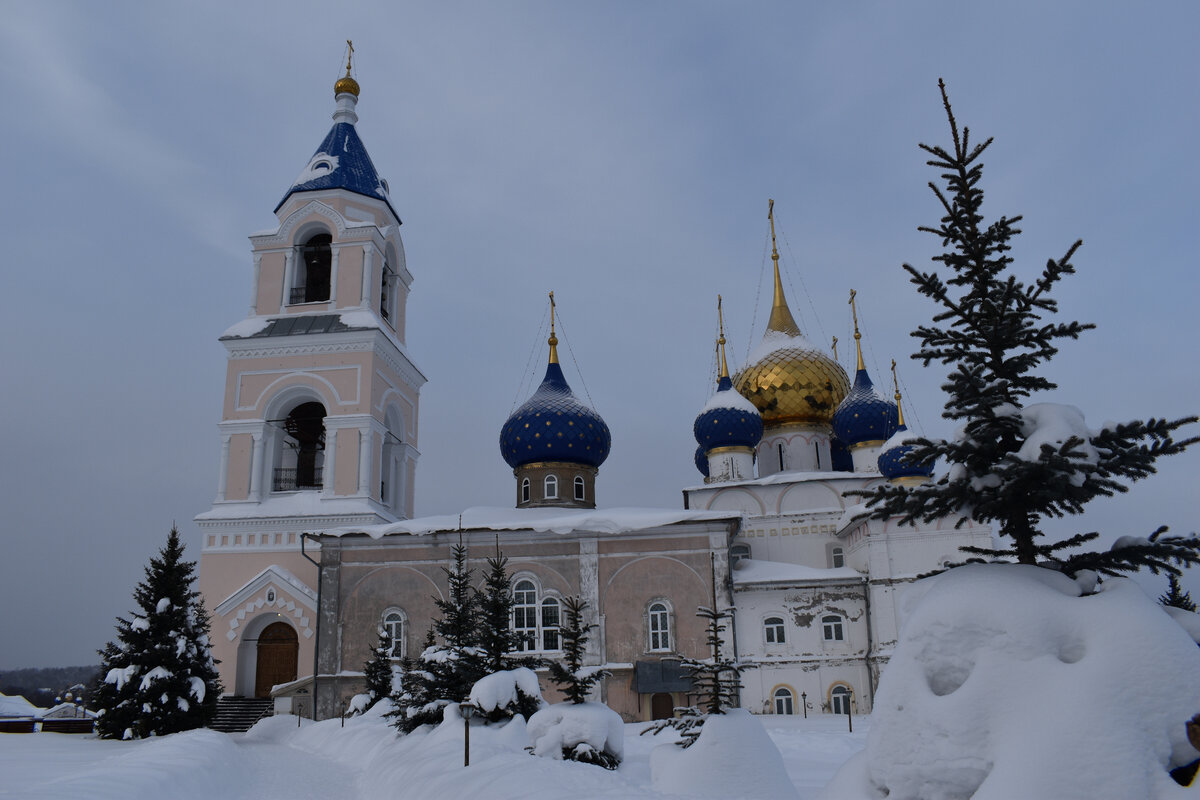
[{"x": 346, "y": 84}]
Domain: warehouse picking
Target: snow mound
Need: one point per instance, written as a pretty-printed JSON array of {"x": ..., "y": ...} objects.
[
  {"x": 733, "y": 757},
  {"x": 1188, "y": 620},
  {"x": 568, "y": 725},
  {"x": 1007, "y": 682}
]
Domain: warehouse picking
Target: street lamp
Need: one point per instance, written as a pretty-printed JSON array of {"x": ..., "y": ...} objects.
[
  {"x": 849, "y": 719},
  {"x": 804, "y": 703},
  {"x": 467, "y": 711}
]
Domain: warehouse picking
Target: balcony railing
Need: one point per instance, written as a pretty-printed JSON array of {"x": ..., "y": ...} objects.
[{"x": 290, "y": 479}]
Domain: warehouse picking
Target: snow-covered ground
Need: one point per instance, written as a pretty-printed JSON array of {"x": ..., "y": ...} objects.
[{"x": 366, "y": 759}]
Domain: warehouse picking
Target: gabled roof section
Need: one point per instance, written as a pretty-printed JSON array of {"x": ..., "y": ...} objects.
[{"x": 341, "y": 162}]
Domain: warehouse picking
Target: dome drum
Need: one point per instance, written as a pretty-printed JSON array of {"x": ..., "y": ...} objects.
[{"x": 558, "y": 484}]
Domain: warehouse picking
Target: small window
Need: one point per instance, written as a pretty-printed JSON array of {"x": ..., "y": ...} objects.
[
  {"x": 773, "y": 631},
  {"x": 660, "y": 627},
  {"x": 837, "y": 557},
  {"x": 817, "y": 452},
  {"x": 525, "y": 490},
  {"x": 578, "y": 487},
  {"x": 737, "y": 553},
  {"x": 551, "y": 488},
  {"x": 550, "y": 624},
  {"x": 781, "y": 457},
  {"x": 393, "y": 626},
  {"x": 783, "y": 701},
  {"x": 839, "y": 700},
  {"x": 385, "y": 292},
  {"x": 832, "y": 628}
]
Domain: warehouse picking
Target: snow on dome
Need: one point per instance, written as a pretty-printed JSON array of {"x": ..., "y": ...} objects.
[
  {"x": 727, "y": 420},
  {"x": 1007, "y": 683},
  {"x": 554, "y": 425}
]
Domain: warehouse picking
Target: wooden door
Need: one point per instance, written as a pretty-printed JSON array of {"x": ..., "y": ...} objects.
[
  {"x": 662, "y": 706},
  {"x": 278, "y": 651}
]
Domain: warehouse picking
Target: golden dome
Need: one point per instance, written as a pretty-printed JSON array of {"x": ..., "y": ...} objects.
[
  {"x": 786, "y": 377},
  {"x": 793, "y": 383},
  {"x": 346, "y": 84}
]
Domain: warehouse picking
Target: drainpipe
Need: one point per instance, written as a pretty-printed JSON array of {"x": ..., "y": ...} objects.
[
  {"x": 870, "y": 640},
  {"x": 317, "y": 638}
]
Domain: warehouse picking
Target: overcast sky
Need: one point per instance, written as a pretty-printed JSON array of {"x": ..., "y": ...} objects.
[{"x": 619, "y": 153}]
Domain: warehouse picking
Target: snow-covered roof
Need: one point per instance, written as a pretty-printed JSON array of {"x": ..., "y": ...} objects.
[
  {"x": 749, "y": 571},
  {"x": 17, "y": 706},
  {"x": 553, "y": 520}
]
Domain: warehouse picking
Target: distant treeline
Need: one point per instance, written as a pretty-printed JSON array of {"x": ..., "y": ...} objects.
[{"x": 41, "y": 686}]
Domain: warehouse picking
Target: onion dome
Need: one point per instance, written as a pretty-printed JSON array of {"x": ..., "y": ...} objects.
[
  {"x": 701, "y": 460},
  {"x": 786, "y": 377},
  {"x": 839, "y": 456},
  {"x": 553, "y": 424},
  {"x": 864, "y": 416},
  {"x": 892, "y": 463},
  {"x": 727, "y": 419}
]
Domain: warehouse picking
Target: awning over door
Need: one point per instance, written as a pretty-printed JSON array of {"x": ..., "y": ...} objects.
[{"x": 650, "y": 677}]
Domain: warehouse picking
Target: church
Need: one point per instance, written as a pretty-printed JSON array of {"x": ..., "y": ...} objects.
[{"x": 310, "y": 546}]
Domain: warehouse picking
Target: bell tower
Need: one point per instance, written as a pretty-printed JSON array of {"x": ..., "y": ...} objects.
[{"x": 319, "y": 424}]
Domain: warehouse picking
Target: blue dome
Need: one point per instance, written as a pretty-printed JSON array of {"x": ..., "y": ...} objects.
[
  {"x": 728, "y": 420},
  {"x": 864, "y": 416},
  {"x": 701, "y": 461},
  {"x": 553, "y": 425},
  {"x": 839, "y": 454},
  {"x": 892, "y": 463}
]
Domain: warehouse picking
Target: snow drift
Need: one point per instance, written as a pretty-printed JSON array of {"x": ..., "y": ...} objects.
[{"x": 1006, "y": 682}]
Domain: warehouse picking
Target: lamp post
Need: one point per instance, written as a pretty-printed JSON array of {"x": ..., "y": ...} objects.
[
  {"x": 467, "y": 711},
  {"x": 804, "y": 703},
  {"x": 849, "y": 719}
]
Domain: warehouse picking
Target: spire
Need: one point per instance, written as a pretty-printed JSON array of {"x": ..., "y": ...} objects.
[
  {"x": 781, "y": 316},
  {"x": 857, "y": 335},
  {"x": 553, "y": 340},
  {"x": 346, "y": 92},
  {"x": 899, "y": 409},
  {"x": 721, "y": 343}
]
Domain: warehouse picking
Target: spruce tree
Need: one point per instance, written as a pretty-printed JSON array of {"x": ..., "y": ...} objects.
[
  {"x": 1012, "y": 464},
  {"x": 446, "y": 670},
  {"x": 379, "y": 669},
  {"x": 572, "y": 677},
  {"x": 159, "y": 677},
  {"x": 1177, "y": 596},
  {"x": 716, "y": 679},
  {"x": 497, "y": 639}
]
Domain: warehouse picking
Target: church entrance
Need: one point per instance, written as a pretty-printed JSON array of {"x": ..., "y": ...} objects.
[
  {"x": 662, "y": 706},
  {"x": 278, "y": 650}
]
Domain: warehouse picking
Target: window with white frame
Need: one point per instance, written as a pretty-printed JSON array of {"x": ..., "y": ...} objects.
[
  {"x": 784, "y": 701},
  {"x": 658, "y": 620},
  {"x": 839, "y": 700},
  {"x": 394, "y": 625},
  {"x": 737, "y": 553},
  {"x": 525, "y": 490},
  {"x": 579, "y": 487},
  {"x": 551, "y": 488},
  {"x": 535, "y": 619},
  {"x": 773, "y": 630},
  {"x": 837, "y": 557},
  {"x": 831, "y": 627}
]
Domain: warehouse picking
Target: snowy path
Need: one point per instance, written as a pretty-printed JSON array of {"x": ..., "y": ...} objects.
[{"x": 282, "y": 772}]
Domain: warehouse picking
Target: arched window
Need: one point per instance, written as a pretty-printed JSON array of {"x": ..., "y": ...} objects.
[
  {"x": 579, "y": 487},
  {"x": 551, "y": 487},
  {"x": 659, "y": 627},
  {"x": 783, "y": 701},
  {"x": 525, "y": 490},
  {"x": 737, "y": 553},
  {"x": 839, "y": 699},
  {"x": 773, "y": 631},
  {"x": 300, "y": 459},
  {"x": 314, "y": 263},
  {"x": 837, "y": 557},
  {"x": 535, "y": 622},
  {"x": 831, "y": 627},
  {"x": 394, "y": 626},
  {"x": 386, "y": 280}
]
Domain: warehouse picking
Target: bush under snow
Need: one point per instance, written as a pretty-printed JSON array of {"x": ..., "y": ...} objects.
[
  {"x": 505, "y": 690},
  {"x": 582, "y": 731},
  {"x": 1006, "y": 683}
]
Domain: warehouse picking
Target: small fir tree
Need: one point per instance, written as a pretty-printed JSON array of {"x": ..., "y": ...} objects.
[
  {"x": 380, "y": 669},
  {"x": 570, "y": 675},
  {"x": 1011, "y": 465},
  {"x": 159, "y": 677},
  {"x": 498, "y": 641},
  {"x": 1177, "y": 596},
  {"x": 716, "y": 679},
  {"x": 445, "y": 671}
]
